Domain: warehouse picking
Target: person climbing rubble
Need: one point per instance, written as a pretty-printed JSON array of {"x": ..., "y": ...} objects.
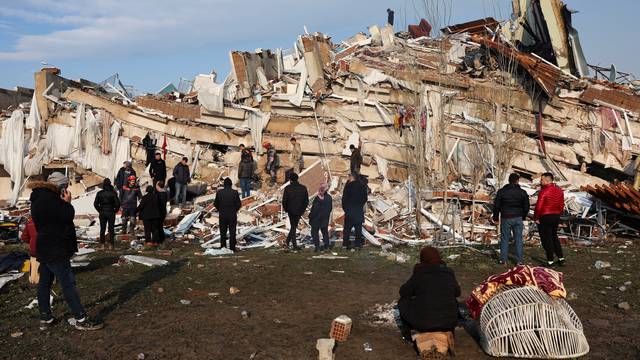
[
  {"x": 129, "y": 202},
  {"x": 182, "y": 175},
  {"x": 107, "y": 204},
  {"x": 297, "y": 162},
  {"x": 273, "y": 162},
  {"x": 150, "y": 147},
  {"x": 158, "y": 168},
  {"x": 246, "y": 172},
  {"x": 295, "y": 200},
  {"x": 547, "y": 215},
  {"x": 354, "y": 197},
  {"x": 227, "y": 202},
  {"x": 319, "y": 217},
  {"x": 53, "y": 215}
]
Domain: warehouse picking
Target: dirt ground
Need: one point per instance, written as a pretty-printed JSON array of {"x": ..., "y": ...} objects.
[{"x": 291, "y": 299}]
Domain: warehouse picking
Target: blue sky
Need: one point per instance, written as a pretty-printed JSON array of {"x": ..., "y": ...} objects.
[{"x": 152, "y": 42}]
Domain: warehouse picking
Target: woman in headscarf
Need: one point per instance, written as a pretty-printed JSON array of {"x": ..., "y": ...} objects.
[
  {"x": 428, "y": 299},
  {"x": 319, "y": 217}
]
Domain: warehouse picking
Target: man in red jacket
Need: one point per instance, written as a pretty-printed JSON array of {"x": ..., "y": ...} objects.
[
  {"x": 547, "y": 215},
  {"x": 29, "y": 236}
]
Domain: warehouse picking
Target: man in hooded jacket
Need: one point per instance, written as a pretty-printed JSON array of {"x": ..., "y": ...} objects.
[
  {"x": 107, "y": 205},
  {"x": 53, "y": 215}
]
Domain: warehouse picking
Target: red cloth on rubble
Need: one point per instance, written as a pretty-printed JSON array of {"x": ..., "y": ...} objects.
[
  {"x": 547, "y": 280},
  {"x": 550, "y": 201}
]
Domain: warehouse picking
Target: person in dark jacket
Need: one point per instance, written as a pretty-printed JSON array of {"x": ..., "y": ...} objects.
[
  {"x": 125, "y": 172},
  {"x": 295, "y": 200},
  {"x": 183, "y": 177},
  {"x": 355, "y": 161},
  {"x": 56, "y": 243},
  {"x": 546, "y": 215},
  {"x": 319, "y": 217},
  {"x": 246, "y": 172},
  {"x": 149, "y": 212},
  {"x": 228, "y": 203},
  {"x": 354, "y": 197},
  {"x": 163, "y": 198},
  {"x": 129, "y": 202},
  {"x": 511, "y": 206},
  {"x": 158, "y": 168},
  {"x": 150, "y": 148},
  {"x": 107, "y": 205},
  {"x": 428, "y": 299}
]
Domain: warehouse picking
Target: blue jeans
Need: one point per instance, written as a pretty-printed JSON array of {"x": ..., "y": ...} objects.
[
  {"x": 511, "y": 227},
  {"x": 181, "y": 193},
  {"x": 245, "y": 186},
  {"x": 60, "y": 269}
]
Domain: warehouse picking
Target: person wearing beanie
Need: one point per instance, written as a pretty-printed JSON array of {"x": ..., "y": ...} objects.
[
  {"x": 295, "y": 200},
  {"x": 227, "y": 203},
  {"x": 107, "y": 205},
  {"x": 56, "y": 243},
  {"x": 428, "y": 299}
]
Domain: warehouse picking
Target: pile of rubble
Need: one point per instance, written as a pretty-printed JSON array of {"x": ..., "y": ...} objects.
[{"x": 440, "y": 121}]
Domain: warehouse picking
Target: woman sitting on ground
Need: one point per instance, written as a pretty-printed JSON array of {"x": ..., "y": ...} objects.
[{"x": 428, "y": 299}]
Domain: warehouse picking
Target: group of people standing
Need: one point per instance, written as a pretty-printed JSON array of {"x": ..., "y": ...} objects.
[
  {"x": 511, "y": 208},
  {"x": 151, "y": 207}
]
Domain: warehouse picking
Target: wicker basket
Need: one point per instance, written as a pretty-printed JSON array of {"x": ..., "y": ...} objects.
[{"x": 525, "y": 322}]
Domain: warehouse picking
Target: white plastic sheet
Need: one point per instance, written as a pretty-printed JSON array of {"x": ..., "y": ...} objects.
[
  {"x": 33, "y": 123},
  {"x": 147, "y": 261},
  {"x": 13, "y": 151},
  {"x": 210, "y": 94}
]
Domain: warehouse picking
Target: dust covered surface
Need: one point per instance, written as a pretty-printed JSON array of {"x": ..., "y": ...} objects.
[{"x": 291, "y": 300}]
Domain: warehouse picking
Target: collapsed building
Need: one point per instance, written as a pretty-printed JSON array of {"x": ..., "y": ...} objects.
[{"x": 441, "y": 120}]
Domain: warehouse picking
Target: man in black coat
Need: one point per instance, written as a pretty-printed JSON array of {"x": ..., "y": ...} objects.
[
  {"x": 428, "y": 299},
  {"x": 228, "y": 203},
  {"x": 183, "y": 177},
  {"x": 319, "y": 217},
  {"x": 56, "y": 243},
  {"x": 158, "y": 169},
  {"x": 107, "y": 205},
  {"x": 294, "y": 202},
  {"x": 354, "y": 197},
  {"x": 163, "y": 198},
  {"x": 512, "y": 206},
  {"x": 123, "y": 175},
  {"x": 149, "y": 213}
]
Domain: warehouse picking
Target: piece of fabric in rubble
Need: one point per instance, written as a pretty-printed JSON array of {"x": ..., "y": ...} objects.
[
  {"x": 547, "y": 280},
  {"x": 33, "y": 123},
  {"x": 12, "y": 154},
  {"x": 257, "y": 121},
  {"x": 210, "y": 94},
  {"x": 92, "y": 156}
]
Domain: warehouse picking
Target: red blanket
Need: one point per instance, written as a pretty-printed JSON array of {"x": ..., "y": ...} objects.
[{"x": 547, "y": 280}]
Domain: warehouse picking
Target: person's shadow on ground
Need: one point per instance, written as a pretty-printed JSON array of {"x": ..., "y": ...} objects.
[{"x": 130, "y": 289}]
